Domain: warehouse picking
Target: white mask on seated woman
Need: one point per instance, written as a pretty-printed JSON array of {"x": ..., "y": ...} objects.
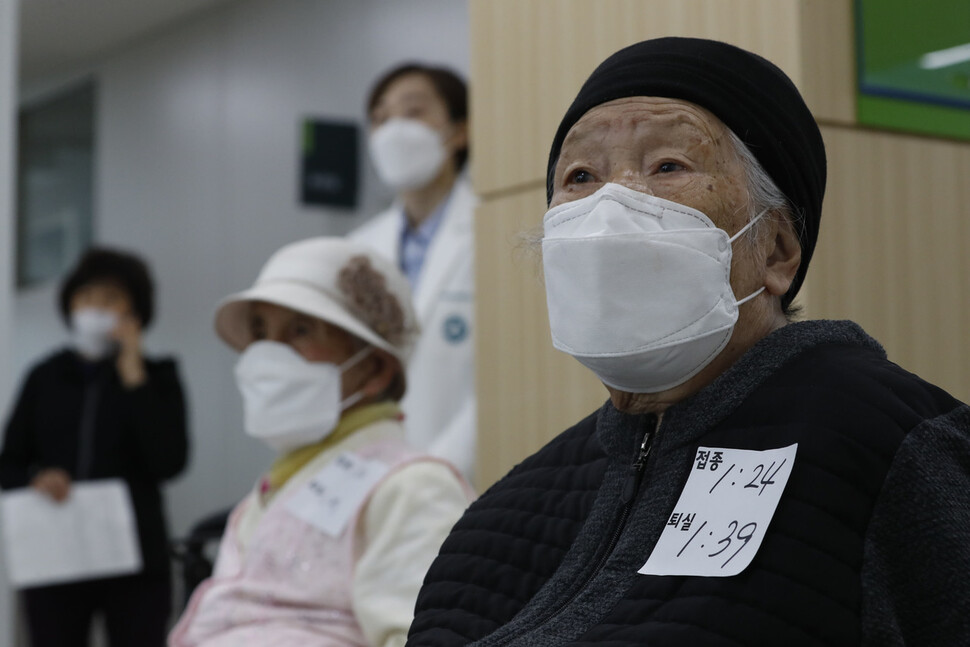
[
  {"x": 638, "y": 287},
  {"x": 289, "y": 402}
]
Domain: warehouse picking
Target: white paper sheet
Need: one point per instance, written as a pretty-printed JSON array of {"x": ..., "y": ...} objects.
[
  {"x": 91, "y": 534},
  {"x": 723, "y": 512},
  {"x": 330, "y": 499}
]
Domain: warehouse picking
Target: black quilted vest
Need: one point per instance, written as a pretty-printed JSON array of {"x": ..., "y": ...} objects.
[{"x": 549, "y": 555}]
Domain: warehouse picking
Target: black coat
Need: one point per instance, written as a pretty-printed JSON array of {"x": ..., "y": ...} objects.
[
  {"x": 137, "y": 434},
  {"x": 869, "y": 545}
]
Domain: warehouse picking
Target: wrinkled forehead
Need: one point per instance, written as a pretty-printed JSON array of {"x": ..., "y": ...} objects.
[
  {"x": 656, "y": 118},
  {"x": 640, "y": 127}
]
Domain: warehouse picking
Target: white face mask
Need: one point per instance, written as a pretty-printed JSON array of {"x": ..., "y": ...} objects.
[
  {"x": 638, "y": 287},
  {"x": 289, "y": 402},
  {"x": 407, "y": 153},
  {"x": 91, "y": 332}
]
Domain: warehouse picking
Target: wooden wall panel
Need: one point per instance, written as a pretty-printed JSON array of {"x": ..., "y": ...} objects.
[
  {"x": 529, "y": 58},
  {"x": 528, "y": 391},
  {"x": 827, "y": 76},
  {"x": 892, "y": 249}
]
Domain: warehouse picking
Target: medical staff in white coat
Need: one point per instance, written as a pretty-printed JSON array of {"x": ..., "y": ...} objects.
[{"x": 418, "y": 144}]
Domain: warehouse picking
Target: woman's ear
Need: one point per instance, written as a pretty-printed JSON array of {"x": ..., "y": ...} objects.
[
  {"x": 458, "y": 139},
  {"x": 387, "y": 367},
  {"x": 784, "y": 255}
]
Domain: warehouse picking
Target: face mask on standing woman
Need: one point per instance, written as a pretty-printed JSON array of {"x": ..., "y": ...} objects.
[
  {"x": 91, "y": 332},
  {"x": 407, "y": 153}
]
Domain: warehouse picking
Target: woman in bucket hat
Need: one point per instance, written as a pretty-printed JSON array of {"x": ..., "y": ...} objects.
[{"x": 331, "y": 546}]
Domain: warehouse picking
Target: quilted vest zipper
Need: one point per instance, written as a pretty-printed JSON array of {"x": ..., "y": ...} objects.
[{"x": 628, "y": 497}]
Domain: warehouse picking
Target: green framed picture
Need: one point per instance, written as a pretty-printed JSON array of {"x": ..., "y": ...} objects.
[{"x": 914, "y": 66}]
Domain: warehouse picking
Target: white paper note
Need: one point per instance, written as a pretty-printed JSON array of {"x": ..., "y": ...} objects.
[
  {"x": 331, "y": 498},
  {"x": 723, "y": 512},
  {"x": 91, "y": 534}
]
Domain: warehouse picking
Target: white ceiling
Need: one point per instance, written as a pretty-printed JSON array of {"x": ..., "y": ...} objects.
[{"x": 60, "y": 36}]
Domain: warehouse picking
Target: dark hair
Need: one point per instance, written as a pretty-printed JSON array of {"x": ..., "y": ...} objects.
[
  {"x": 450, "y": 87},
  {"x": 102, "y": 265}
]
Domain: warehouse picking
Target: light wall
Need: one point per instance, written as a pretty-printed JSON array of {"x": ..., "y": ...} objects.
[
  {"x": 8, "y": 75},
  {"x": 198, "y": 137},
  {"x": 895, "y": 218}
]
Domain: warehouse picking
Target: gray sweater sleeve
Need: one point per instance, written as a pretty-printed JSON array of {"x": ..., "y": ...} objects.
[{"x": 916, "y": 562}]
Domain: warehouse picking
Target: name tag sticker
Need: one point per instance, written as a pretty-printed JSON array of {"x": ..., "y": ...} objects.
[
  {"x": 721, "y": 516},
  {"x": 331, "y": 498}
]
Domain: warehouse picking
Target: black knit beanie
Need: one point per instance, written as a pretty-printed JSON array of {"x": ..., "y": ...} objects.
[{"x": 753, "y": 98}]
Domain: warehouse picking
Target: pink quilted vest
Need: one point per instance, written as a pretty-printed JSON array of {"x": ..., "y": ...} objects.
[{"x": 293, "y": 588}]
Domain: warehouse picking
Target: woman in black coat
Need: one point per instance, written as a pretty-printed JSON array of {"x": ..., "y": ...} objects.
[{"x": 96, "y": 410}]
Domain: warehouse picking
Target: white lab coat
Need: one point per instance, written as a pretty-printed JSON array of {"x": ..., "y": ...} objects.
[{"x": 439, "y": 404}]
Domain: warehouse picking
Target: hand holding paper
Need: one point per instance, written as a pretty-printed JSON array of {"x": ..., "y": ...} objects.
[
  {"x": 90, "y": 534},
  {"x": 54, "y": 482}
]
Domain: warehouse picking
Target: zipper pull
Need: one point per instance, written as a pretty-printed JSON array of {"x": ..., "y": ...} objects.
[{"x": 639, "y": 463}]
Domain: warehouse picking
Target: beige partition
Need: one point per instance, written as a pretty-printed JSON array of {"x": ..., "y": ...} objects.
[
  {"x": 894, "y": 218},
  {"x": 529, "y": 58},
  {"x": 892, "y": 248},
  {"x": 527, "y": 392}
]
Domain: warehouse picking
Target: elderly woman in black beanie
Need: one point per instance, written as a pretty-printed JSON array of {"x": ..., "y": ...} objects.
[
  {"x": 751, "y": 481},
  {"x": 100, "y": 409}
]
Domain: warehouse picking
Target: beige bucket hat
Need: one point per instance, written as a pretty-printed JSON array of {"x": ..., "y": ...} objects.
[{"x": 341, "y": 282}]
